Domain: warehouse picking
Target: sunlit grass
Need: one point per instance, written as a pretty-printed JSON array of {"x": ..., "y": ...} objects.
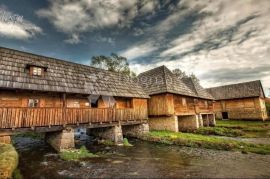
[{"x": 76, "y": 154}]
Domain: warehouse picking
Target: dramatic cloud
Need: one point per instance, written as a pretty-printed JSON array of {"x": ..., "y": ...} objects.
[
  {"x": 228, "y": 42},
  {"x": 75, "y": 17},
  {"x": 15, "y": 26}
]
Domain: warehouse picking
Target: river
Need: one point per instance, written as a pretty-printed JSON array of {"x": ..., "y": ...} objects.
[{"x": 39, "y": 161}]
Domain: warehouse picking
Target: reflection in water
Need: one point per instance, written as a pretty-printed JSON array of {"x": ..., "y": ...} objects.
[{"x": 39, "y": 160}]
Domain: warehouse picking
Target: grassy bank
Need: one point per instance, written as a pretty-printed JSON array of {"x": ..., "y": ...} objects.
[
  {"x": 209, "y": 142},
  {"x": 245, "y": 129},
  {"x": 8, "y": 160},
  {"x": 76, "y": 154}
]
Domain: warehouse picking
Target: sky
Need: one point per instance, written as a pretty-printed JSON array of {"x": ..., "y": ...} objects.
[{"x": 220, "y": 41}]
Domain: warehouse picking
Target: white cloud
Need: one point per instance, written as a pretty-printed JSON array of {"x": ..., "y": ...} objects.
[
  {"x": 75, "y": 17},
  {"x": 229, "y": 44},
  {"x": 138, "y": 50},
  {"x": 14, "y": 26},
  {"x": 74, "y": 39}
]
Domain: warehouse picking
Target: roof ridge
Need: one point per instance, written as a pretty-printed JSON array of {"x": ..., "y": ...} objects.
[
  {"x": 196, "y": 90},
  {"x": 235, "y": 84}
]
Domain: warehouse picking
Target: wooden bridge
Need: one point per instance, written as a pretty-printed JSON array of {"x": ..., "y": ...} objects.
[{"x": 25, "y": 117}]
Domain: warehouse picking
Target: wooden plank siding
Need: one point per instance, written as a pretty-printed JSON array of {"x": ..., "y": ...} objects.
[
  {"x": 20, "y": 117},
  {"x": 245, "y": 108}
]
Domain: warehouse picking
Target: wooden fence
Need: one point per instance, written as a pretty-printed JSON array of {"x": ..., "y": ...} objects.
[{"x": 37, "y": 117}]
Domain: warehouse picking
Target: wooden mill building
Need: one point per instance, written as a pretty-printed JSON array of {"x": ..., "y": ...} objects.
[
  {"x": 244, "y": 101},
  {"x": 42, "y": 93},
  {"x": 176, "y": 104}
]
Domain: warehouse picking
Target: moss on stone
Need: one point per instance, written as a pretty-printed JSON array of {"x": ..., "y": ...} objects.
[
  {"x": 8, "y": 160},
  {"x": 76, "y": 154},
  {"x": 126, "y": 143}
]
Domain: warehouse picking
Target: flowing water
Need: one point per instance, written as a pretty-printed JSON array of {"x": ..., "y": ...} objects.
[{"x": 39, "y": 161}]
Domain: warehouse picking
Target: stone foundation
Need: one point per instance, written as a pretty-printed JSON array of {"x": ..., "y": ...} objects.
[
  {"x": 188, "y": 123},
  {"x": 5, "y": 139},
  {"x": 61, "y": 140},
  {"x": 113, "y": 133},
  {"x": 135, "y": 130},
  {"x": 163, "y": 123},
  {"x": 243, "y": 115},
  {"x": 208, "y": 120}
]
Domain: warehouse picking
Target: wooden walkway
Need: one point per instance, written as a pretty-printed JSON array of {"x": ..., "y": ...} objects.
[{"x": 19, "y": 117}]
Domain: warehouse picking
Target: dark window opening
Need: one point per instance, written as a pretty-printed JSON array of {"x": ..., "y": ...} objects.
[
  {"x": 225, "y": 115},
  {"x": 33, "y": 103}
]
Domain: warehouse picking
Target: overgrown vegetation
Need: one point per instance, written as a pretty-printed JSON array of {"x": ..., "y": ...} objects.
[
  {"x": 8, "y": 160},
  {"x": 76, "y": 154},
  {"x": 126, "y": 143},
  {"x": 220, "y": 131},
  {"x": 209, "y": 142}
]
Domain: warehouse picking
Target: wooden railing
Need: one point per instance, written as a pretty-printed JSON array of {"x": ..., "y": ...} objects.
[{"x": 37, "y": 117}]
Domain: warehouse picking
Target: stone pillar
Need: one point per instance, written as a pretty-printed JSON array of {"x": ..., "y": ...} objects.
[
  {"x": 188, "y": 123},
  {"x": 113, "y": 133},
  {"x": 199, "y": 116},
  {"x": 5, "y": 139},
  {"x": 135, "y": 130},
  {"x": 163, "y": 123},
  {"x": 61, "y": 140}
]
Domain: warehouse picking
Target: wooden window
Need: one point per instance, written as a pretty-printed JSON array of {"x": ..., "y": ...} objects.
[
  {"x": 37, "y": 71},
  {"x": 33, "y": 103}
]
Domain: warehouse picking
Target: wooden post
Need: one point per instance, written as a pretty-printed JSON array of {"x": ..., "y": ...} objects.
[{"x": 64, "y": 108}]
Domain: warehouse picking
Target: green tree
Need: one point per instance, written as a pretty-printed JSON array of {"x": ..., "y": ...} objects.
[
  {"x": 182, "y": 74},
  {"x": 113, "y": 63},
  {"x": 179, "y": 73}
]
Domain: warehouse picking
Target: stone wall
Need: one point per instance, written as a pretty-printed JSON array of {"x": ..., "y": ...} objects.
[
  {"x": 208, "y": 120},
  {"x": 163, "y": 123},
  {"x": 188, "y": 123},
  {"x": 113, "y": 133},
  {"x": 61, "y": 140},
  {"x": 243, "y": 115},
  {"x": 135, "y": 130}
]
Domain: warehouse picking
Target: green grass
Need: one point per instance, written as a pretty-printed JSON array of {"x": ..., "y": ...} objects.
[
  {"x": 8, "y": 160},
  {"x": 76, "y": 154},
  {"x": 126, "y": 143},
  {"x": 247, "y": 128},
  {"x": 220, "y": 131},
  {"x": 202, "y": 141}
]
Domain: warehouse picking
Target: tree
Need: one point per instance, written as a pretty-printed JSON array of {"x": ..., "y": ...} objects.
[
  {"x": 113, "y": 63},
  {"x": 181, "y": 74}
]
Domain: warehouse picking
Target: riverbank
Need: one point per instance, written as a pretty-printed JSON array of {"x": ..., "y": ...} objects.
[
  {"x": 8, "y": 160},
  {"x": 233, "y": 128},
  {"x": 202, "y": 141}
]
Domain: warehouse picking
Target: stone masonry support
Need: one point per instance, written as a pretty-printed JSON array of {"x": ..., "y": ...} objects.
[
  {"x": 135, "y": 130},
  {"x": 5, "y": 139},
  {"x": 188, "y": 123},
  {"x": 163, "y": 123},
  {"x": 61, "y": 140},
  {"x": 113, "y": 133}
]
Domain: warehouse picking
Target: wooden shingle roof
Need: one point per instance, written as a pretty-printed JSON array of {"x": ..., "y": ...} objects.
[
  {"x": 62, "y": 76},
  {"x": 162, "y": 80},
  {"x": 239, "y": 90}
]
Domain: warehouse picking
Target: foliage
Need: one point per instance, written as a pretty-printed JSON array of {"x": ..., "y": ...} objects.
[
  {"x": 113, "y": 63},
  {"x": 182, "y": 74},
  {"x": 76, "y": 154},
  {"x": 126, "y": 143},
  {"x": 220, "y": 131},
  {"x": 17, "y": 174},
  {"x": 209, "y": 142},
  {"x": 8, "y": 160}
]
